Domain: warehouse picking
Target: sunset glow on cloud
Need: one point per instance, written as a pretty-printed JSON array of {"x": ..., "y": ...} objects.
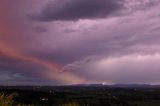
[{"x": 79, "y": 41}]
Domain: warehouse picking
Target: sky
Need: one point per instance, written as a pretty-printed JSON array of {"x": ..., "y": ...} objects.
[{"x": 56, "y": 42}]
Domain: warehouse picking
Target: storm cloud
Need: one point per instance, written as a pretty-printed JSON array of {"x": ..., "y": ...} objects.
[
  {"x": 79, "y": 41},
  {"x": 120, "y": 69},
  {"x": 67, "y": 10}
]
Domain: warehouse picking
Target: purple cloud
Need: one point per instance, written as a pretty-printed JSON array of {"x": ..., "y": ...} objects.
[
  {"x": 95, "y": 48},
  {"x": 70, "y": 10}
]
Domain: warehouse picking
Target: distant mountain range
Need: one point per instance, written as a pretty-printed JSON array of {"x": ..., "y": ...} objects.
[
  {"x": 86, "y": 85},
  {"x": 120, "y": 85},
  {"x": 135, "y": 86}
]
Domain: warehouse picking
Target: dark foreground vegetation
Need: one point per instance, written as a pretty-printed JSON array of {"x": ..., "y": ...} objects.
[{"x": 80, "y": 96}]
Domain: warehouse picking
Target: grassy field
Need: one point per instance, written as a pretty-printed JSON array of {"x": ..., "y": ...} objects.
[
  {"x": 80, "y": 96},
  {"x": 145, "y": 103},
  {"x": 5, "y": 100}
]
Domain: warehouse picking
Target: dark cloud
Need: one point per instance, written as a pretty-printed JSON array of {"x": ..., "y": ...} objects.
[
  {"x": 17, "y": 72},
  {"x": 12, "y": 77},
  {"x": 78, "y": 9},
  {"x": 7, "y": 63}
]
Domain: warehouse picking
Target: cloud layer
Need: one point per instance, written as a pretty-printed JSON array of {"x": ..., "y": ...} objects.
[
  {"x": 70, "y": 10},
  {"x": 79, "y": 41},
  {"x": 124, "y": 69}
]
